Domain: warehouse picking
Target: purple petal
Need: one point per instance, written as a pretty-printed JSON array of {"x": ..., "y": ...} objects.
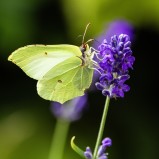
[
  {"x": 99, "y": 86},
  {"x": 105, "y": 92},
  {"x": 107, "y": 141},
  {"x": 88, "y": 153},
  {"x": 127, "y": 50},
  {"x": 123, "y": 78},
  {"x": 117, "y": 92},
  {"x": 103, "y": 157},
  {"x": 114, "y": 40},
  {"x": 120, "y": 93},
  {"x": 123, "y": 37},
  {"x": 125, "y": 88},
  {"x": 120, "y": 46},
  {"x": 107, "y": 76},
  {"x": 101, "y": 150},
  {"x": 127, "y": 44}
]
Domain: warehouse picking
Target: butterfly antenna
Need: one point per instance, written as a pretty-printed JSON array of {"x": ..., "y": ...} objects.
[
  {"x": 85, "y": 32},
  {"x": 96, "y": 41},
  {"x": 78, "y": 36},
  {"x": 89, "y": 41}
]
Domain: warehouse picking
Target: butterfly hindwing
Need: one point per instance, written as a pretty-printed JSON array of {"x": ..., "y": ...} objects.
[{"x": 65, "y": 81}]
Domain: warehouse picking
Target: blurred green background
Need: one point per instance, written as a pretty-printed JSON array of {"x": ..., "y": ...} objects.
[{"x": 26, "y": 123}]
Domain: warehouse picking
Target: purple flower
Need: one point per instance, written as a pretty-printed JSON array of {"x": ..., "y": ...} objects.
[
  {"x": 115, "y": 27},
  {"x": 115, "y": 61},
  {"x": 88, "y": 153},
  {"x": 71, "y": 110},
  {"x": 101, "y": 150}
]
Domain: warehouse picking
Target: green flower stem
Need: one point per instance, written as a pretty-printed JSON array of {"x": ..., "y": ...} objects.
[
  {"x": 101, "y": 129},
  {"x": 59, "y": 139}
]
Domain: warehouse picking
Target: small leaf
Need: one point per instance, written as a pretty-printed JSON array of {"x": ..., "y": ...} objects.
[{"x": 76, "y": 148}]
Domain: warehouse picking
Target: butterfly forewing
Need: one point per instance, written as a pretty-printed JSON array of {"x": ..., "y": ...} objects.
[{"x": 37, "y": 60}]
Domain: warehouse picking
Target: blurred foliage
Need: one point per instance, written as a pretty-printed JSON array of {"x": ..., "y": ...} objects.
[
  {"x": 100, "y": 12},
  {"x": 34, "y": 21},
  {"x": 14, "y": 129},
  {"x": 26, "y": 123}
]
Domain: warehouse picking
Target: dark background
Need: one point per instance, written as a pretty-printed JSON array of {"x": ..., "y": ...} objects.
[{"x": 26, "y": 123}]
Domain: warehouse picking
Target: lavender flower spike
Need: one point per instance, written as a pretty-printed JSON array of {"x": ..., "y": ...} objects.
[
  {"x": 101, "y": 151},
  {"x": 71, "y": 110},
  {"x": 114, "y": 64}
]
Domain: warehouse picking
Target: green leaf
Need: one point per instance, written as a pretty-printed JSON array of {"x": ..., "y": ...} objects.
[{"x": 76, "y": 148}]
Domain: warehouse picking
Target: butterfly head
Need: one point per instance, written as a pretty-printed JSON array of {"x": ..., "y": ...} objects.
[
  {"x": 85, "y": 50},
  {"x": 86, "y": 56},
  {"x": 84, "y": 47}
]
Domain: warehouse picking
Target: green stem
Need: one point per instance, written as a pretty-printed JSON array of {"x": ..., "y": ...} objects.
[
  {"x": 59, "y": 139},
  {"x": 101, "y": 129}
]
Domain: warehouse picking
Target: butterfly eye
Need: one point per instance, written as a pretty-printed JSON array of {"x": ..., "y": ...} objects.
[{"x": 83, "y": 48}]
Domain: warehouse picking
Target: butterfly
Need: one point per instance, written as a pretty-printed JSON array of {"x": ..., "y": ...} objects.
[{"x": 63, "y": 71}]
